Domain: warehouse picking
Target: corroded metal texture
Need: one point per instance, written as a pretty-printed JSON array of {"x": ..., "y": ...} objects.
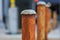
[
  {"x": 41, "y": 21},
  {"x": 48, "y": 24},
  {"x": 28, "y": 27},
  {"x": 54, "y": 19}
]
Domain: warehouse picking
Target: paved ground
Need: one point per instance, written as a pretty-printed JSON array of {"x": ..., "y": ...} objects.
[
  {"x": 10, "y": 37},
  {"x": 53, "y": 35},
  {"x": 17, "y": 37}
]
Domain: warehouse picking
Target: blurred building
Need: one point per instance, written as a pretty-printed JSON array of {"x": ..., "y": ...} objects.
[{"x": 29, "y": 4}]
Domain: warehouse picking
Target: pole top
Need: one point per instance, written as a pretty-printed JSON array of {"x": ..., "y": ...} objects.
[
  {"x": 28, "y": 11},
  {"x": 48, "y": 4},
  {"x": 41, "y": 2},
  {"x": 12, "y": 1}
]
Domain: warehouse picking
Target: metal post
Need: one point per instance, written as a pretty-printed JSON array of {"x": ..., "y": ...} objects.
[
  {"x": 41, "y": 11},
  {"x": 48, "y": 23},
  {"x": 13, "y": 18},
  {"x": 28, "y": 25}
]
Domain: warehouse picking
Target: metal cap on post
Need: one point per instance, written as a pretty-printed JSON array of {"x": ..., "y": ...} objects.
[
  {"x": 41, "y": 2},
  {"x": 28, "y": 11},
  {"x": 48, "y": 4}
]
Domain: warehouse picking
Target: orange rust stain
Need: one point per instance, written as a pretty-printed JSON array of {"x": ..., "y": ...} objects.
[
  {"x": 41, "y": 22},
  {"x": 28, "y": 27},
  {"x": 55, "y": 19},
  {"x": 48, "y": 24}
]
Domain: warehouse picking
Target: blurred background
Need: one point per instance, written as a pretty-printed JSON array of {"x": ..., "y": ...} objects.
[{"x": 11, "y": 15}]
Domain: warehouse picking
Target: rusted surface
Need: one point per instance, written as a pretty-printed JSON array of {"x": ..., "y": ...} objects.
[
  {"x": 41, "y": 22},
  {"x": 54, "y": 19},
  {"x": 48, "y": 20},
  {"x": 28, "y": 27},
  {"x": 48, "y": 24}
]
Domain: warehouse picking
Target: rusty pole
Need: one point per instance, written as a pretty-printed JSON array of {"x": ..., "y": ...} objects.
[
  {"x": 55, "y": 20},
  {"x": 41, "y": 11},
  {"x": 48, "y": 23},
  {"x": 28, "y": 24}
]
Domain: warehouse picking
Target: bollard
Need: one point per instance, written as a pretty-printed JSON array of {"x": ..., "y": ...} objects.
[
  {"x": 48, "y": 19},
  {"x": 41, "y": 11},
  {"x": 28, "y": 24},
  {"x": 55, "y": 20},
  {"x": 13, "y": 18},
  {"x": 48, "y": 23}
]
